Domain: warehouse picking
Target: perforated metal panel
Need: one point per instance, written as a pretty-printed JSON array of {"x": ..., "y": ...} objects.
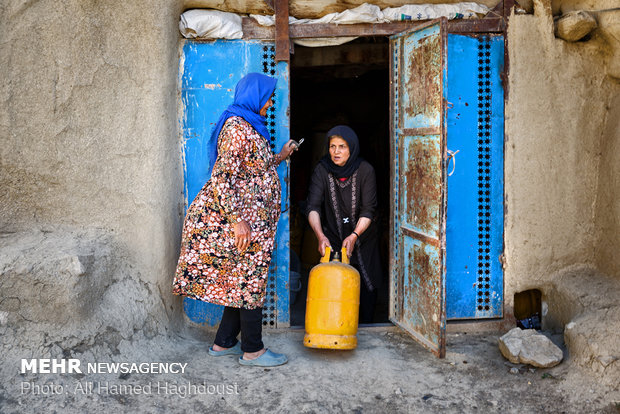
[
  {"x": 395, "y": 298},
  {"x": 474, "y": 233},
  {"x": 269, "y": 308},
  {"x": 484, "y": 174}
]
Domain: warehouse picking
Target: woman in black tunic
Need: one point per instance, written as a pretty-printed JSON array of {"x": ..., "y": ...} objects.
[{"x": 341, "y": 206}]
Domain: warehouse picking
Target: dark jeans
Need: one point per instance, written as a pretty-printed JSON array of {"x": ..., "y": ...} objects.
[
  {"x": 247, "y": 321},
  {"x": 368, "y": 299}
]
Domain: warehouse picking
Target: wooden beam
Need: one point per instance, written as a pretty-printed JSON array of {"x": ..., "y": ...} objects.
[
  {"x": 508, "y": 5},
  {"x": 252, "y": 30},
  {"x": 497, "y": 11},
  {"x": 282, "y": 31},
  {"x": 486, "y": 25}
]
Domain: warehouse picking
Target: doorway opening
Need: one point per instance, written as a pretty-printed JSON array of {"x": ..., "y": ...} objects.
[{"x": 346, "y": 84}]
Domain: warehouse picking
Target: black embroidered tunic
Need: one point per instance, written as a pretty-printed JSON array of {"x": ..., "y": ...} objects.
[{"x": 341, "y": 203}]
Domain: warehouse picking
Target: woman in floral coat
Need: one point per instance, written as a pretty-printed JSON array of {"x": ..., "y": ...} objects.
[{"x": 228, "y": 234}]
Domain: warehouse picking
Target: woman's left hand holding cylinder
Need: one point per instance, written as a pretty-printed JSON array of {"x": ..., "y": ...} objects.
[{"x": 349, "y": 244}]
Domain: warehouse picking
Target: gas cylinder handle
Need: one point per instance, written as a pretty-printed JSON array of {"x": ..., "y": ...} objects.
[
  {"x": 345, "y": 256},
  {"x": 328, "y": 250},
  {"x": 325, "y": 258}
]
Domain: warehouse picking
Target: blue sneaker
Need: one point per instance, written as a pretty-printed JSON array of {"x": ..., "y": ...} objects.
[
  {"x": 234, "y": 350},
  {"x": 268, "y": 359}
]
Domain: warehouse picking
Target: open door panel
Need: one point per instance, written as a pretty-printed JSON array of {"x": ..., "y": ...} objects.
[{"x": 418, "y": 146}]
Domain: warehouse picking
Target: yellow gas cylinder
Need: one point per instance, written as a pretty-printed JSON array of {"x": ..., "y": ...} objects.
[{"x": 332, "y": 304}]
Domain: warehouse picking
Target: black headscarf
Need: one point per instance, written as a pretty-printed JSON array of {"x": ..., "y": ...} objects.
[{"x": 354, "y": 160}]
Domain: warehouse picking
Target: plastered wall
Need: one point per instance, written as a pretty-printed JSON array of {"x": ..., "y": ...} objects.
[
  {"x": 561, "y": 172},
  {"x": 88, "y": 126},
  {"x": 608, "y": 210}
]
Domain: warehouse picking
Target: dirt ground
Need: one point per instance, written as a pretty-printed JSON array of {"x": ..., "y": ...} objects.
[{"x": 388, "y": 372}]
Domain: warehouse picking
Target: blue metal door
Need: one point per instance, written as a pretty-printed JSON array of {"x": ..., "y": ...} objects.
[
  {"x": 475, "y": 218},
  {"x": 417, "y": 264},
  {"x": 209, "y": 72}
]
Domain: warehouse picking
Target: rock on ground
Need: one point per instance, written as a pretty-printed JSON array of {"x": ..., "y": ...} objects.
[{"x": 530, "y": 347}]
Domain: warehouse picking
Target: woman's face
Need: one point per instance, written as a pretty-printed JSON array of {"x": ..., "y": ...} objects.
[
  {"x": 339, "y": 150},
  {"x": 263, "y": 110}
]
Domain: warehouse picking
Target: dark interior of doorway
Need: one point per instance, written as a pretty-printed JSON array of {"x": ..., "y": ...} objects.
[{"x": 346, "y": 84}]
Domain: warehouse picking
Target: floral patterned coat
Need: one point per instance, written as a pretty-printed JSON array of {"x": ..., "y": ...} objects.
[{"x": 244, "y": 185}]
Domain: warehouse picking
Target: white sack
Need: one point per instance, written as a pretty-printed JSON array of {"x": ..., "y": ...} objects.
[
  {"x": 366, "y": 13},
  {"x": 210, "y": 24},
  {"x": 266, "y": 20},
  {"x": 433, "y": 11}
]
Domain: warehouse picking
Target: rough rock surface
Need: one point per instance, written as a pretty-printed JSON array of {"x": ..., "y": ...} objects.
[
  {"x": 585, "y": 304},
  {"x": 71, "y": 290},
  {"x": 530, "y": 347},
  {"x": 47, "y": 279},
  {"x": 574, "y": 26}
]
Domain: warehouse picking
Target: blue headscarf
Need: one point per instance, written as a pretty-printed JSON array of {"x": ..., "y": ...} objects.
[
  {"x": 251, "y": 94},
  {"x": 354, "y": 160}
]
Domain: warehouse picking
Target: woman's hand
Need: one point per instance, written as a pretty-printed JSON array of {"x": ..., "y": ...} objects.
[
  {"x": 323, "y": 243},
  {"x": 243, "y": 233},
  {"x": 349, "y": 244},
  {"x": 287, "y": 150}
]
